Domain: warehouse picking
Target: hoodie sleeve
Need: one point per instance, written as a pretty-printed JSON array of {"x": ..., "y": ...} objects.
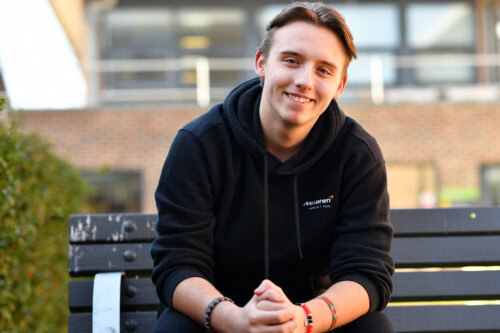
[
  {"x": 184, "y": 247},
  {"x": 361, "y": 250}
]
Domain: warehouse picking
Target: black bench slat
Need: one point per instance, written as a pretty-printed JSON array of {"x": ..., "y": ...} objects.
[
  {"x": 112, "y": 228},
  {"x": 82, "y": 322},
  {"x": 407, "y": 252},
  {"x": 449, "y": 318},
  {"x": 446, "y": 285},
  {"x": 449, "y": 221},
  {"x": 478, "y": 220},
  {"x": 80, "y": 294},
  {"x": 90, "y": 259},
  {"x": 414, "y": 286},
  {"x": 446, "y": 251}
]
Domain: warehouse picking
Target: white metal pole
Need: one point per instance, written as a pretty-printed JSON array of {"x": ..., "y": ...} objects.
[
  {"x": 377, "y": 79},
  {"x": 202, "y": 82}
]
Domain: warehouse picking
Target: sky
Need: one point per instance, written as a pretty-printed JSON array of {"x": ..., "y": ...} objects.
[{"x": 39, "y": 67}]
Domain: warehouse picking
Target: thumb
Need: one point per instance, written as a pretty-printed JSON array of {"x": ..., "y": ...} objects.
[{"x": 264, "y": 285}]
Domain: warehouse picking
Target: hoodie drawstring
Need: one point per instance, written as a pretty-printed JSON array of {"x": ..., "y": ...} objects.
[
  {"x": 296, "y": 206},
  {"x": 297, "y": 226}
]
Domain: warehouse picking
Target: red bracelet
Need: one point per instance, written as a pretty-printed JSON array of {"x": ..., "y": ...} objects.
[
  {"x": 332, "y": 309},
  {"x": 309, "y": 321}
]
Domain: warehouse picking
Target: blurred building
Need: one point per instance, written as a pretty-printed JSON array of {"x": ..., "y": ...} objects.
[
  {"x": 425, "y": 84},
  {"x": 409, "y": 50}
]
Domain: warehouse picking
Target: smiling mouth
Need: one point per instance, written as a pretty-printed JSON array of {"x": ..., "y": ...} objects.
[{"x": 298, "y": 98}]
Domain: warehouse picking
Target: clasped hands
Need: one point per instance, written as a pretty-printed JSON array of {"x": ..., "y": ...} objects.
[{"x": 270, "y": 311}]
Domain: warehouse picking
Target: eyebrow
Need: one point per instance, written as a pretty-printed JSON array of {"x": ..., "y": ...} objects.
[{"x": 293, "y": 53}]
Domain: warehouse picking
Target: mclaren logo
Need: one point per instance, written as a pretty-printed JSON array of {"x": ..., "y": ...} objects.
[{"x": 320, "y": 203}]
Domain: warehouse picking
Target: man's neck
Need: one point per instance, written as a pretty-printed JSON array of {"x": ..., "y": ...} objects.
[{"x": 283, "y": 140}]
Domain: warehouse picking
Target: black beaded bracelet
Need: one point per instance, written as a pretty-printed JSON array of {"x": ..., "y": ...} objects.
[{"x": 211, "y": 306}]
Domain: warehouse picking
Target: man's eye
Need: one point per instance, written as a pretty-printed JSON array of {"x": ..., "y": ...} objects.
[
  {"x": 290, "y": 61},
  {"x": 324, "y": 71}
]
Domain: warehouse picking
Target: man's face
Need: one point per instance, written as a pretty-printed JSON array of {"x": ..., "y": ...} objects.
[{"x": 303, "y": 73}]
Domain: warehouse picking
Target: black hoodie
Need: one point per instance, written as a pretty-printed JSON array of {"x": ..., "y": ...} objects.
[{"x": 232, "y": 213}]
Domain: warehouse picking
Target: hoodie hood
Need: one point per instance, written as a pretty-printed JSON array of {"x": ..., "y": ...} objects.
[{"x": 241, "y": 109}]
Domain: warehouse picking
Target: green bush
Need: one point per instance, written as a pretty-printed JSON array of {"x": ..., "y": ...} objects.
[{"x": 37, "y": 192}]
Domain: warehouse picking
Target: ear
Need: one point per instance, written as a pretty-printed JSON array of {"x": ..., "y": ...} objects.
[
  {"x": 259, "y": 64},
  {"x": 341, "y": 87}
]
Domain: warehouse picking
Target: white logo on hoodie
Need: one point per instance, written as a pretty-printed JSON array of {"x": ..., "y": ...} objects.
[{"x": 320, "y": 203}]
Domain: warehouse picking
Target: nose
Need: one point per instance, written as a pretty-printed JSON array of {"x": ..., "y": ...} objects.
[{"x": 304, "y": 77}]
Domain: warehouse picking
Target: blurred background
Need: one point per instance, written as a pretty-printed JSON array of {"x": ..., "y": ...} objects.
[
  {"x": 96, "y": 90},
  {"x": 125, "y": 75}
]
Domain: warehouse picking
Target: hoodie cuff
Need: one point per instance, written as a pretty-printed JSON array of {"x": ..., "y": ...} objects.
[
  {"x": 370, "y": 287},
  {"x": 177, "y": 278}
]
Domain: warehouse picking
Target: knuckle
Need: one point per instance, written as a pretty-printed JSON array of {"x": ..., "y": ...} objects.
[
  {"x": 282, "y": 316},
  {"x": 290, "y": 327},
  {"x": 252, "y": 318}
]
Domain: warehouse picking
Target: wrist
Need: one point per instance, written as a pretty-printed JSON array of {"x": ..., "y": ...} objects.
[
  {"x": 333, "y": 311},
  {"x": 217, "y": 314},
  {"x": 300, "y": 318},
  {"x": 321, "y": 315}
]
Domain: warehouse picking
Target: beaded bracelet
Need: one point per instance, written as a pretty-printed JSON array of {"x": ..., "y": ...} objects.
[
  {"x": 332, "y": 309},
  {"x": 309, "y": 321},
  {"x": 211, "y": 306}
]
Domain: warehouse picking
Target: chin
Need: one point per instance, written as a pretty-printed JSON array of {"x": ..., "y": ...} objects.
[
  {"x": 291, "y": 118},
  {"x": 295, "y": 121}
]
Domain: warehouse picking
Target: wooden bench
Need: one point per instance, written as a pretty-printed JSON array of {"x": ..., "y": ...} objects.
[{"x": 438, "y": 286}]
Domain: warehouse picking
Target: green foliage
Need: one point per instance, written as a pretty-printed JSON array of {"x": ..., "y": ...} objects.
[{"x": 37, "y": 192}]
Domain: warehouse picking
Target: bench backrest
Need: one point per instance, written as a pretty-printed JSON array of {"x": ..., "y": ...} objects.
[{"x": 447, "y": 277}]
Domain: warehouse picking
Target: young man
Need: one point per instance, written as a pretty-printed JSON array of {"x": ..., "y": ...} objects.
[{"x": 275, "y": 197}]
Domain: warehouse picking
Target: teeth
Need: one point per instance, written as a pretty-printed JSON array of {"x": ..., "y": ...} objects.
[{"x": 299, "y": 99}]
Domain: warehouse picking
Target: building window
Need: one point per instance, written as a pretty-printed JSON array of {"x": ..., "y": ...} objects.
[
  {"x": 444, "y": 67},
  {"x": 431, "y": 25},
  {"x": 164, "y": 33},
  {"x": 375, "y": 28},
  {"x": 490, "y": 185},
  {"x": 212, "y": 32},
  {"x": 137, "y": 34},
  {"x": 114, "y": 191},
  {"x": 373, "y": 25},
  {"x": 359, "y": 71},
  {"x": 439, "y": 34}
]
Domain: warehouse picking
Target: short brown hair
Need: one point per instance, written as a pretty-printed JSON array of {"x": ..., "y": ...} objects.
[{"x": 315, "y": 13}]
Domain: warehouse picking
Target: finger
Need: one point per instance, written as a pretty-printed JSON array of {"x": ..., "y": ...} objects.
[
  {"x": 264, "y": 285},
  {"x": 273, "y": 295},
  {"x": 276, "y": 317},
  {"x": 266, "y": 305},
  {"x": 288, "y": 327}
]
